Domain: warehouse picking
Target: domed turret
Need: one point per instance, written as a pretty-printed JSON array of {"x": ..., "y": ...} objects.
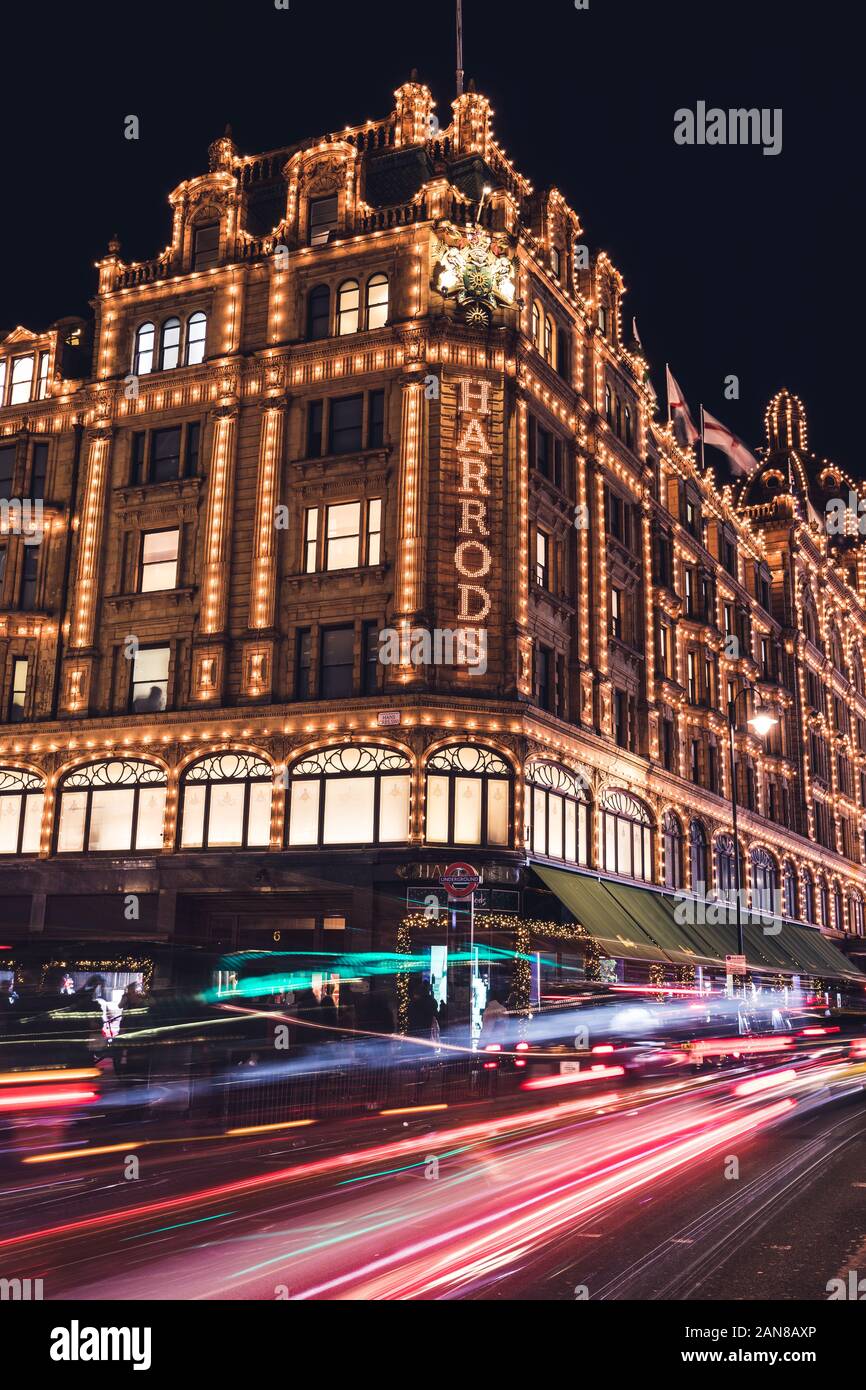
[{"x": 785, "y": 423}]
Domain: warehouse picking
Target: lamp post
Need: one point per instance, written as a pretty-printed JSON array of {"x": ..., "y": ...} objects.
[{"x": 761, "y": 724}]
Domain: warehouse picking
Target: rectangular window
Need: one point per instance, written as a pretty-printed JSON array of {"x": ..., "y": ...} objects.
[
  {"x": 7, "y": 471},
  {"x": 349, "y": 808},
  {"x": 159, "y": 555},
  {"x": 374, "y": 531},
  {"x": 2, "y": 380},
  {"x": 343, "y": 536},
  {"x": 346, "y": 424},
  {"x": 311, "y": 540},
  {"x": 664, "y": 649},
  {"x": 338, "y": 662},
  {"x": 303, "y": 661},
  {"x": 193, "y": 442},
  {"x": 542, "y": 677},
  {"x": 150, "y": 679},
  {"x": 315, "y": 416},
  {"x": 39, "y": 471},
  {"x": 139, "y": 457},
  {"x": 205, "y": 246},
  {"x": 616, "y": 604},
  {"x": 542, "y": 551},
  {"x": 376, "y": 428},
  {"x": 21, "y": 382},
  {"x": 29, "y": 577},
  {"x": 322, "y": 219},
  {"x": 18, "y": 693},
  {"x": 165, "y": 455},
  {"x": 371, "y": 658}
]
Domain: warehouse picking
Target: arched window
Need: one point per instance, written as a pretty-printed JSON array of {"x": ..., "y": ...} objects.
[
  {"x": 789, "y": 889},
  {"x": 808, "y": 897},
  {"x": 857, "y": 670},
  {"x": 536, "y": 325},
  {"x": 810, "y": 620},
  {"x": 468, "y": 797},
  {"x": 626, "y": 836},
  {"x": 548, "y": 339},
  {"x": 142, "y": 360},
  {"x": 698, "y": 858},
  {"x": 350, "y": 795},
  {"x": 823, "y": 903},
  {"x": 629, "y": 427},
  {"x": 836, "y": 649},
  {"x": 196, "y": 333},
  {"x": 763, "y": 881},
  {"x": 348, "y": 307},
  {"x": 855, "y": 914},
  {"x": 608, "y": 405},
  {"x": 602, "y": 317},
  {"x": 838, "y": 912},
  {"x": 557, "y": 813},
  {"x": 117, "y": 804},
  {"x": 726, "y": 867},
  {"x": 21, "y": 795},
  {"x": 319, "y": 312},
  {"x": 672, "y": 833},
  {"x": 226, "y": 803},
  {"x": 169, "y": 345},
  {"x": 377, "y": 301}
]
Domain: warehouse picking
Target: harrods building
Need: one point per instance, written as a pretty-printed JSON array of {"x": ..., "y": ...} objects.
[{"x": 377, "y": 384}]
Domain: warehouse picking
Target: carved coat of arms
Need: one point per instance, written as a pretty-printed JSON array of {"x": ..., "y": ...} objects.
[{"x": 474, "y": 267}]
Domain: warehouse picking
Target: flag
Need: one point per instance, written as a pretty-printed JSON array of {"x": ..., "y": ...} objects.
[
  {"x": 635, "y": 334},
  {"x": 683, "y": 422},
  {"x": 720, "y": 437}
]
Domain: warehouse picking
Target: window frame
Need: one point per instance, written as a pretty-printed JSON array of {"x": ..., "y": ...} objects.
[
  {"x": 88, "y": 768},
  {"x": 259, "y": 779}
]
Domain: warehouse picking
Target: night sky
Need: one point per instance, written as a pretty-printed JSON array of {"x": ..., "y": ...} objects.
[{"x": 735, "y": 262}]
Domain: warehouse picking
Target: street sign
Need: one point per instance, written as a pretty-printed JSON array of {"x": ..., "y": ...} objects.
[
  {"x": 387, "y": 716},
  {"x": 460, "y": 879},
  {"x": 735, "y": 965}
]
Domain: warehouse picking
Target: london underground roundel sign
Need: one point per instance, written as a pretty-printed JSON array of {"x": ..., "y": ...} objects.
[{"x": 460, "y": 879}]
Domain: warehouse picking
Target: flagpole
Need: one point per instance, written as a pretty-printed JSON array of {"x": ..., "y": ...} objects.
[
  {"x": 460, "y": 48},
  {"x": 668, "y": 388},
  {"x": 703, "y": 459}
]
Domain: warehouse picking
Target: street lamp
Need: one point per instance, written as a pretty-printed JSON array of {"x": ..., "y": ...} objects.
[{"x": 761, "y": 723}]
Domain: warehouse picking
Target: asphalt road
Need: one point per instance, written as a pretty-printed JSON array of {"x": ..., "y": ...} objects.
[{"x": 681, "y": 1191}]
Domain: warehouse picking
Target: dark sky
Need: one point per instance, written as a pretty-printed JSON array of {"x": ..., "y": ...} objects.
[{"x": 736, "y": 262}]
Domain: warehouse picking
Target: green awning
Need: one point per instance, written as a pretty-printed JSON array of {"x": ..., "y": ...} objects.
[
  {"x": 614, "y": 931},
  {"x": 643, "y": 924},
  {"x": 654, "y": 912}
]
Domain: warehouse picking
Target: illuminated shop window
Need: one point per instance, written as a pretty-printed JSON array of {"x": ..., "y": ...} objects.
[
  {"x": 159, "y": 553},
  {"x": 468, "y": 797},
  {"x": 226, "y": 803},
  {"x": 142, "y": 361},
  {"x": 377, "y": 301},
  {"x": 118, "y": 804},
  {"x": 558, "y": 813},
  {"x": 21, "y": 796},
  {"x": 352, "y": 795},
  {"x": 626, "y": 836}
]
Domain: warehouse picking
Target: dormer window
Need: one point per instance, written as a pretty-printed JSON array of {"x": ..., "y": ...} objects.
[
  {"x": 323, "y": 219},
  {"x": 21, "y": 383},
  {"x": 205, "y": 245}
]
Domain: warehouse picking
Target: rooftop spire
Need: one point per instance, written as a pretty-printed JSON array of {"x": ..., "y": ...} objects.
[{"x": 460, "y": 48}]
